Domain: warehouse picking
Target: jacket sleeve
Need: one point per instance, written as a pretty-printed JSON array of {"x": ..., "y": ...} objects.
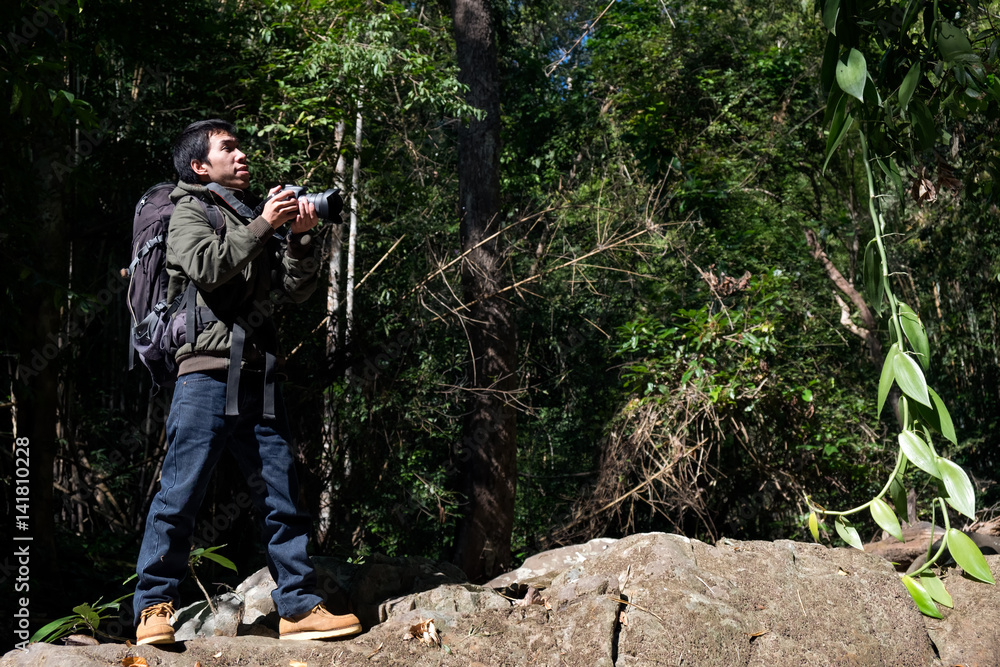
[
  {"x": 299, "y": 269},
  {"x": 205, "y": 257}
]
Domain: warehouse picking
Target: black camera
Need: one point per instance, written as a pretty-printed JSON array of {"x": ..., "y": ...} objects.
[{"x": 328, "y": 204}]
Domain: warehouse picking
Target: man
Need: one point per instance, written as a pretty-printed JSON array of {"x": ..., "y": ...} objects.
[{"x": 225, "y": 396}]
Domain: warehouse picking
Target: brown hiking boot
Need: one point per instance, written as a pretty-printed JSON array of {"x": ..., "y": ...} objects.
[
  {"x": 319, "y": 624},
  {"x": 154, "y": 625}
]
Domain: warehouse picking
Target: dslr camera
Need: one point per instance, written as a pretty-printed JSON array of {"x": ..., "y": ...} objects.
[{"x": 328, "y": 204}]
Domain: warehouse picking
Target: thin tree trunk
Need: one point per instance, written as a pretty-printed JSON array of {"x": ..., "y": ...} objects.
[
  {"x": 325, "y": 518},
  {"x": 488, "y": 451},
  {"x": 353, "y": 234}
]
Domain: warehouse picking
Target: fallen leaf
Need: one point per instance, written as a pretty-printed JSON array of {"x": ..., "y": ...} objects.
[
  {"x": 296, "y": 663},
  {"x": 425, "y": 632},
  {"x": 842, "y": 572},
  {"x": 134, "y": 662},
  {"x": 623, "y": 619},
  {"x": 218, "y": 655}
]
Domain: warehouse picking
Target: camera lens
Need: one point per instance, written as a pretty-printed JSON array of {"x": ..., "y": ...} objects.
[{"x": 328, "y": 204}]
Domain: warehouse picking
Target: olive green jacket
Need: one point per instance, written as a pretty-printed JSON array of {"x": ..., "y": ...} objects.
[{"x": 240, "y": 275}]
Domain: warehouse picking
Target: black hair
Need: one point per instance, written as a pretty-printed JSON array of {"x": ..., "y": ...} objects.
[{"x": 194, "y": 143}]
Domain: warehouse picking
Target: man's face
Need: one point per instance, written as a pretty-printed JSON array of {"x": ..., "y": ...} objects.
[{"x": 226, "y": 163}]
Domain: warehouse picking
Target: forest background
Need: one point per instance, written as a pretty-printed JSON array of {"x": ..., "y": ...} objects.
[{"x": 674, "y": 298}]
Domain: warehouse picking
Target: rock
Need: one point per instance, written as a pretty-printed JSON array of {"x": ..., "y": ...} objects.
[
  {"x": 969, "y": 633},
  {"x": 539, "y": 570},
  {"x": 645, "y": 599},
  {"x": 249, "y": 609}
]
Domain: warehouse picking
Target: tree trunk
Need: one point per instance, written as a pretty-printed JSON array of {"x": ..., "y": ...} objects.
[
  {"x": 334, "y": 249},
  {"x": 488, "y": 451},
  {"x": 353, "y": 233}
]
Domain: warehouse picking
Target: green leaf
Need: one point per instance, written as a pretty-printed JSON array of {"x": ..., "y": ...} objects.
[
  {"x": 828, "y": 72},
  {"x": 944, "y": 426},
  {"x": 954, "y": 44},
  {"x": 886, "y": 518},
  {"x": 920, "y": 595},
  {"x": 814, "y": 526},
  {"x": 919, "y": 453},
  {"x": 910, "y": 378},
  {"x": 55, "y": 629},
  {"x": 88, "y": 614},
  {"x": 853, "y": 74},
  {"x": 848, "y": 533},
  {"x": 924, "y": 130},
  {"x": 872, "y": 275},
  {"x": 968, "y": 556},
  {"x": 909, "y": 85},
  {"x": 221, "y": 560},
  {"x": 961, "y": 493},
  {"x": 888, "y": 376},
  {"x": 935, "y": 588},
  {"x": 838, "y": 129},
  {"x": 897, "y": 489},
  {"x": 915, "y": 333},
  {"x": 830, "y": 11}
]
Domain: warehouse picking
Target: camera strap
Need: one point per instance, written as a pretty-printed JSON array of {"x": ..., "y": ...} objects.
[
  {"x": 236, "y": 206},
  {"x": 231, "y": 201}
]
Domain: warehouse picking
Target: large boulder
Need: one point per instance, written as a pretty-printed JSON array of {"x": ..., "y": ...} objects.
[{"x": 646, "y": 599}]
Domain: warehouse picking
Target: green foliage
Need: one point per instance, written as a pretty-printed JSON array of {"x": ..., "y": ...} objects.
[
  {"x": 85, "y": 616},
  {"x": 929, "y": 76}
]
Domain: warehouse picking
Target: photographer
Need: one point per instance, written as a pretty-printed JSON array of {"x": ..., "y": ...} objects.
[{"x": 232, "y": 269}]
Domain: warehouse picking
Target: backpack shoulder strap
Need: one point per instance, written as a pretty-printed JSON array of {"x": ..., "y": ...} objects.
[{"x": 215, "y": 218}]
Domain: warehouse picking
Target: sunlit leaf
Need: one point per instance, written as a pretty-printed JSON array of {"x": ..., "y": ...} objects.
[
  {"x": 830, "y": 11},
  {"x": 886, "y": 518},
  {"x": 887, "y": 377},
  {"x": 814, "y": 526},
  {"x": 944, "y": 426},
  {"x": 935, "y": 588},
  {"x": 961, "y": 493},
  {"x": 853, "y": 74},
  {"x": 968, "y": 556},
  {"x": 919, "y": 453},
  {"x": 848, "y": 533},
  {"x": 909, "y": 85},
  {"x": 910, "y": 378},
  {"x": 915, "y": 333},
  {"x": 221, "y": 560},
  {"x": 920, "y": 595}
]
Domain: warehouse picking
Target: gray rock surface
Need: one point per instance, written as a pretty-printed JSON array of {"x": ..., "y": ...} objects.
[{"x": 651, "y": 599}]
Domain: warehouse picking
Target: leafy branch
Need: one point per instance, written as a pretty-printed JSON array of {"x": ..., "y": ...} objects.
[{"x": 897, "y": 121}]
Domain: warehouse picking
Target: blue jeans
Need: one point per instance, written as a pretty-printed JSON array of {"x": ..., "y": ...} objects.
[{"x": 197, "y": 434}]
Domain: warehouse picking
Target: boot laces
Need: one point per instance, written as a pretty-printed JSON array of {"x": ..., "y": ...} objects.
[{"x": 165, "y": 609}]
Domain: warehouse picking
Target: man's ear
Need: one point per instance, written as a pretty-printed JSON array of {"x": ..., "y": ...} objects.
[{"x": 200, "y": 168}]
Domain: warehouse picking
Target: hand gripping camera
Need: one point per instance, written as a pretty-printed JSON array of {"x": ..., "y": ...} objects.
[{"x": 328, "y": 204}]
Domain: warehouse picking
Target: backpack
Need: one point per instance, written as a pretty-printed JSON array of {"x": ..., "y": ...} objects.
[{"x": 152, "y": 338}]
